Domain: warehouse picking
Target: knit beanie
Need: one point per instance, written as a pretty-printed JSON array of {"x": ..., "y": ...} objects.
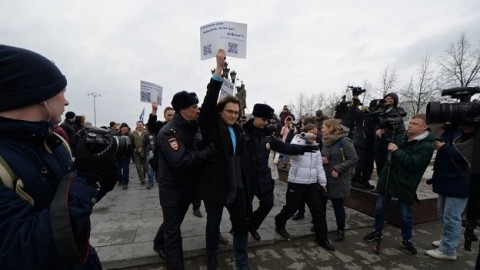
[{"x": 27, "y": 78}]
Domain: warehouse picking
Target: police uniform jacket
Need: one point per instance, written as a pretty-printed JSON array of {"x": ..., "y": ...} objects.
[
  {"x": 178, "y": 161},
  {"x": 259, "y": 142},
  {"x": 29, "y": 237}
]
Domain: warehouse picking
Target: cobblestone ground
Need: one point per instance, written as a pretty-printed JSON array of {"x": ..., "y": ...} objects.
[{"x": 352, "y": 253}]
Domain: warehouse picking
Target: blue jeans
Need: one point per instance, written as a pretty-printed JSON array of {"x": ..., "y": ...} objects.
[
  {"x": 124, "y": 164},
  {"x": 450, "y": 213},
  {"x": 405, "y": 212},
  {"x": 150, "y": 174}
]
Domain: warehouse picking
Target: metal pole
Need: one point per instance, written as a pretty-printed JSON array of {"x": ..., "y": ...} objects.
[{"x": 95, "y": 95}]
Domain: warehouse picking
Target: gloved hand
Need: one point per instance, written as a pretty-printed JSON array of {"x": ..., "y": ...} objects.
[
  {"x": 208, "y": 151},
  {"x": 309, "y": 148},
  {"x": 98, "y": 170}
]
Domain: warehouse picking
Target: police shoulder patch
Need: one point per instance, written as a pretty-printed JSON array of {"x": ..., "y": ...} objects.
[{"x": 173, "y": 143}]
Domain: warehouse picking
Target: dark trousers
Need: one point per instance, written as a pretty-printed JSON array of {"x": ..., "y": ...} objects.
[
  {"x": 196, "y": 203},
  {"x": 380, "y": 155},
  {"x": 238, "y": 217},
  {"x": 338, "y": 209},
  {"x": 169, "y": 235},
  {"x": 364, "y": 167},
  {"x": 311, "y": 194},
  {"x": 265, "y": 205}
]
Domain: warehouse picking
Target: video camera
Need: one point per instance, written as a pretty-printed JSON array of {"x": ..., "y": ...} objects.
[
  {"x": 388, "y": 119},
  {"x": 463, "y": 111},
  {"x": 100, "y": 142},
  {"x": 357, "y": 90}
]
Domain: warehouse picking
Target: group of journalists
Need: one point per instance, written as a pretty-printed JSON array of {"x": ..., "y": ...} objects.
[{"x": 206, "y": 153}]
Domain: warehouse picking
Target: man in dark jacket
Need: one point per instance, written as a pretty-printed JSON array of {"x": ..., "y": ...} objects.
[
  {"x": 450, "y": 181},
  {"x": 260, "y": 141},
  {"x": 178, "y": 160},
  {"x": 67, "y": 125},
  {"x": 45, "y": 205},
  {"x": 223, "y": 177},
  {"x": 364, "y": 141},
  {"x": 390, "y": 107},
  {"x": 410, "y": 155}
]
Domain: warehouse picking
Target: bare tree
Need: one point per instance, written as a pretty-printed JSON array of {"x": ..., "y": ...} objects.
[
  {"x": 460, "y": 65},
  {"x": 419, "y": 92},
  {"x": 299, "y": 107},
  {"x": 388, "y": 81}
]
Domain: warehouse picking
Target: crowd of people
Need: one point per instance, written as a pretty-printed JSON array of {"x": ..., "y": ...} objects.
[{"x": 213, "y": 154}]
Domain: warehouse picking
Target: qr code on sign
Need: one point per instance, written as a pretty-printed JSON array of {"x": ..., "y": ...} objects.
[
  {"x": 233, "y": 48},
  {"x": 207, "y": 50},
  {"x": 145, "y": 96}
]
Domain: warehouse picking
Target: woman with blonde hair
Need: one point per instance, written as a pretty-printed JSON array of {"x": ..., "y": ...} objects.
[{"x": 339, "y": 159}]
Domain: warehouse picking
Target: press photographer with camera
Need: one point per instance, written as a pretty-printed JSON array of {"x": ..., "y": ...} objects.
[
  {"x": 456, "y": 169},
  {"x": 450, "y": 182},
  {"x": 389, "y": 119},
  {"x": 409, "y": 155},
  {"x": 45, "y": 204},
  {"x": 363, "y": 140}
]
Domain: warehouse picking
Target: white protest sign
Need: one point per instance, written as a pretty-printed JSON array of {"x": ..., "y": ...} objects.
[
  {"x": 150, "y": 92},
  {"x": 227, "y": 89},
  {"x": 230, "y": 36}
]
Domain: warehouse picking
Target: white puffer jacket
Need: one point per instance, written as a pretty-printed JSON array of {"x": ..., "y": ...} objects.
[{"x": 306, "y": 168}]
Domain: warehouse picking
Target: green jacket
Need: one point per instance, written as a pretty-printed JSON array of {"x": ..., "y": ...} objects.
[{"x": 408, "y": 165}]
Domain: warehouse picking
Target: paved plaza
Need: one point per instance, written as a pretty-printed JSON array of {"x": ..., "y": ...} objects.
[{"x": 125, "y": 222}]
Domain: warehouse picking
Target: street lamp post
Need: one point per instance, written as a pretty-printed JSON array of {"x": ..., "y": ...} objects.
[{"x": 95, "y": 95}]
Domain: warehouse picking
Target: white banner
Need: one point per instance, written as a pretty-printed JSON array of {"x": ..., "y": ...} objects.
[
  {"x": 230, "y": 36},
  {"x": 150, "y": 92},
  {"x": 227, "y": 89}
]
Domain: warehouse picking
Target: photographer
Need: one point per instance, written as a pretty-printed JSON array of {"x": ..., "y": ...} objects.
[
  {"x": 44, "y": 205},
  {"x": 364, "y": 141},
  {"x": 450, "y": 182},
  {"x": 341, "y": 112},
  {"x": 411, "y": 153},
  {"x": 388, "y": 108}
]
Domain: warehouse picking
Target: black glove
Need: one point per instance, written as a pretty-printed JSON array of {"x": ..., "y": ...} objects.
[
  {"x": 98, "y": 170},
  {"x": 309, "y": 148},
  {"x": 208, "y": 151}
]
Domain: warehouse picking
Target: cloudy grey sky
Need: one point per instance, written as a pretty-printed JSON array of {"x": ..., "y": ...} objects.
[{"x": 293, "y": 46}]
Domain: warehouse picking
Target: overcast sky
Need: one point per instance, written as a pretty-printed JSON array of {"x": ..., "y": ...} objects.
[{"x": 292, "y": 46}]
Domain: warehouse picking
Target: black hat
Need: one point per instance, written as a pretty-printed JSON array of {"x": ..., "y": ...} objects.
[
  {"x": 262, "y": 110},
  {"x": 183, "y": 100},
  {"x": 69, "y": 115},
  {"x": 27, "y": 78}
]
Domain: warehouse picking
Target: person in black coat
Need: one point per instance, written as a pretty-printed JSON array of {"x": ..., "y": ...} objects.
[
  {"x": 260, "y": 141},
  {"x": 364, "y": 141},
  {"x": 223, "y": 177},
  {"x": 178, "y": 162}
]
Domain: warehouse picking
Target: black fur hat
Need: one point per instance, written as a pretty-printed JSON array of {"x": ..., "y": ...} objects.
[
  {"x": 183, "y": 100},
  {"x": 262, "y": 110}
]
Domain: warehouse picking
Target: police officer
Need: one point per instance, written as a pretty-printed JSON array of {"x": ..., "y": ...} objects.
[
  {"x": 260, "y": 141},
  {"x": 178, "y": 160},
  {"x": 45, "y": 205}
]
